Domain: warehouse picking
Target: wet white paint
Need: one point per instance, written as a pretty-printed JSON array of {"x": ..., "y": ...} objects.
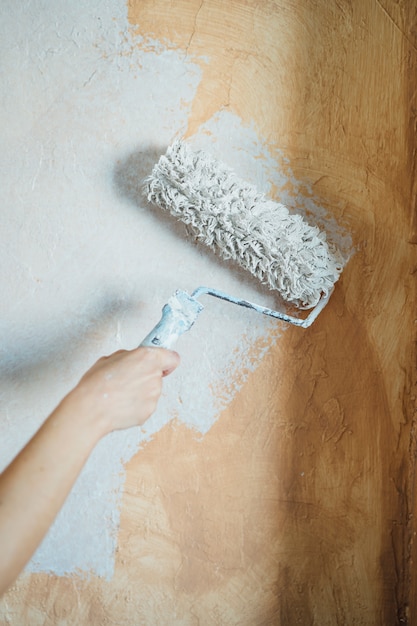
[{"x": 86, "y": 264}]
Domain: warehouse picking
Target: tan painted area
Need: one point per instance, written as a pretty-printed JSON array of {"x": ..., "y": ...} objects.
[{"x": 296, "y": 507}]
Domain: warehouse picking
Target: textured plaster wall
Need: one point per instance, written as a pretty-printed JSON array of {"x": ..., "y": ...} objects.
[
  {"x": 275, "y": 483},
  {"x": 87, "y": 265}
]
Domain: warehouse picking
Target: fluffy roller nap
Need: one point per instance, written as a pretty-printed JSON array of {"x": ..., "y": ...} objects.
[{"x": 236, "y": 221}]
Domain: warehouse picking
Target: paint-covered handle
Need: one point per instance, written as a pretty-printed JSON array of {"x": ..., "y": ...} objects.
[{"x": 178, "y": 316}]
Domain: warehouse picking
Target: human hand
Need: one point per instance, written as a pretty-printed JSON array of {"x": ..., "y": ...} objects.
[
  {"x": 122, "y": 390},
  {"x": 119, "y": 391}
]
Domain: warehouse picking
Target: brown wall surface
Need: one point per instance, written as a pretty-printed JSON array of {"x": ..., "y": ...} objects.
[{"x": 297, "y": 506}]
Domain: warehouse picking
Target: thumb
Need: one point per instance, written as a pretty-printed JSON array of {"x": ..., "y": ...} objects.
[{"x": 169, "y": 361}]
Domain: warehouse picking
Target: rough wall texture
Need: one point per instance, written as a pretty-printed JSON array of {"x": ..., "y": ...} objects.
[{"x": 296, "y": 507}]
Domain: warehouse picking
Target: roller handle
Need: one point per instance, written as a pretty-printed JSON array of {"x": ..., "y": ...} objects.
[{"x": 178, "y": 316}]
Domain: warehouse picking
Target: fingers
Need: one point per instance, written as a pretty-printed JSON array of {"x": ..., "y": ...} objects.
[
  {"x": 167, "y": 360},
  {"x": 171, "y": 362}
]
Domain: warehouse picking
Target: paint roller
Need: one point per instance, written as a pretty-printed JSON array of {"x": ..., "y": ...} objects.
[{"x": 241, "y": 224}]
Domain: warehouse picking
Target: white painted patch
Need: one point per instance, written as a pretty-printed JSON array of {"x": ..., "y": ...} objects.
[{"x": 86, "y": 264}]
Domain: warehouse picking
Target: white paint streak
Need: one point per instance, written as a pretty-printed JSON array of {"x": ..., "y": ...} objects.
[{"x": 86, "y": 265}]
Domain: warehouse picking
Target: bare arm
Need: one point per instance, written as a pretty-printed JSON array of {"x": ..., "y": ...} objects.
[{"x": 118, "y": 392}]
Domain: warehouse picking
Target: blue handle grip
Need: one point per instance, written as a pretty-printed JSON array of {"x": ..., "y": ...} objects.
[{"x": 178, "y": 316}]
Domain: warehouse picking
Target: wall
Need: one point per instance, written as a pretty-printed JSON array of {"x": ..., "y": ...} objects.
[{"x": 275, "y": 483}]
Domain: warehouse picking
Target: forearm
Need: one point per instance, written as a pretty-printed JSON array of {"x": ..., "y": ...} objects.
[
  {"x": 119, "y": 391},
  {"x": 35, "y": 485}
]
